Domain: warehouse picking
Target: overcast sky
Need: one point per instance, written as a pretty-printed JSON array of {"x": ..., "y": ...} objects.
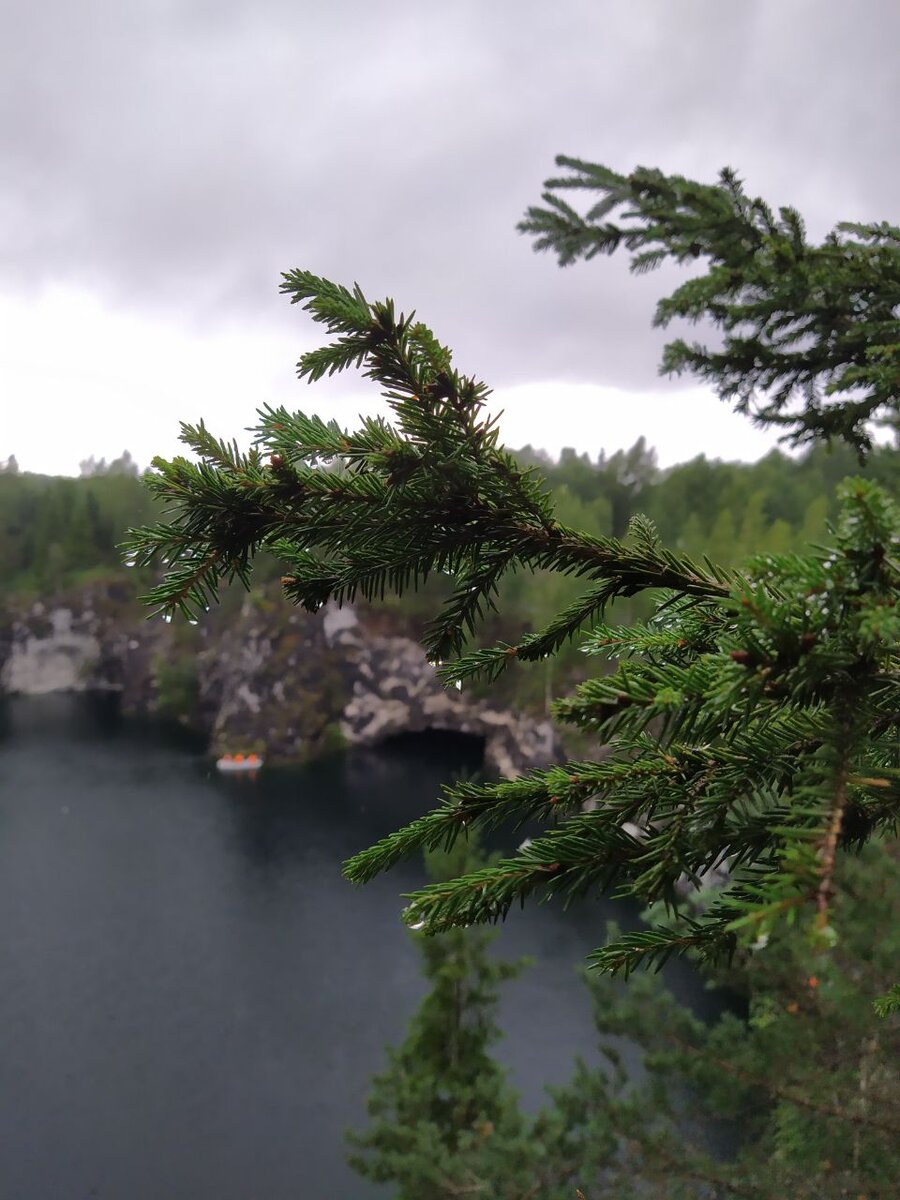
[{"x": 163, "y": 161}]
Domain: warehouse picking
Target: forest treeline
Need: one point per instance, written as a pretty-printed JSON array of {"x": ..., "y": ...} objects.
[
  {"x": 726, "y": 510},
  {"x": 56, "y": 532}
]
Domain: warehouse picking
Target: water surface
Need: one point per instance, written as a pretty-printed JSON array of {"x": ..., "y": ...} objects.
[{"x": 193, "y": 999}]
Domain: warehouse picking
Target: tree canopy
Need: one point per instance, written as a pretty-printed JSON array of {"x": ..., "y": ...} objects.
[
  {"x": 802, "y": 324},
  {"x": 750, "y": 721}
]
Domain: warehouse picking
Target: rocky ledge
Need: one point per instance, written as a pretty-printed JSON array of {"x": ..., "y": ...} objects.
[
  {"x": 395, "y": 690},
  {"x": 261, "y": 677}
]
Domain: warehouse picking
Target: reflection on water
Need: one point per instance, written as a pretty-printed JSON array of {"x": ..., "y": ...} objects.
[{"x": 193, "y": 998}]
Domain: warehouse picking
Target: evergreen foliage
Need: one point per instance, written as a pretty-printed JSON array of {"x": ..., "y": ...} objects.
[
  {"x": 802, "y": 324},
  {"x": 443, "y": 1119},
  {"x": 808, "y": 1086},
  {"x": 801, "y": 1098},
  {"x": 53, "y": 530},
  {"x": 750, "y": 721}
]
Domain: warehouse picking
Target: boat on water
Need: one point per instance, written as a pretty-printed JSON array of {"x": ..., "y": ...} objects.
[{"x": 239, "y": 762}]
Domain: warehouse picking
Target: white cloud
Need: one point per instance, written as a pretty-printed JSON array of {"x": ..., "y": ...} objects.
[
  {"x": 79, "y": 379},
  {"x": 173, "y": 158},
  {"x": 680, "y": 424}
]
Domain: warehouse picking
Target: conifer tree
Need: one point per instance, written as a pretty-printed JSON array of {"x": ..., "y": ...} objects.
[
  {"x": 751, "y": 722},
  {"x": 444, "y": 1122},
  {"x": 707, "y": 1115}
]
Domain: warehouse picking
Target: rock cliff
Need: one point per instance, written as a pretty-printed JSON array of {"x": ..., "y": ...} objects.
[{"x": 258, "y": 676}]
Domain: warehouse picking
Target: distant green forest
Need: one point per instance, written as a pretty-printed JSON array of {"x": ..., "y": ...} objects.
[
  {"x": 54, "y": 529},
  {"x": 58, "y": 533}
]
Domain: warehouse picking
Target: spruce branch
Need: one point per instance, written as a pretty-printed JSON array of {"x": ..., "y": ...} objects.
[
  {"x": 810, "y": 332},
  {"x": 888, "y": 1003},
  {"x": 384, "y": 507},
  {"x": 829, "y": 846},
  {"x": 728, "y": 747},
  {"x": 722, "y": 713}
]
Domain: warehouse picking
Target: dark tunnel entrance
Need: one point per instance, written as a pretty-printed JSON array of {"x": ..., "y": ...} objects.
[{"x": 457, "y": 749}]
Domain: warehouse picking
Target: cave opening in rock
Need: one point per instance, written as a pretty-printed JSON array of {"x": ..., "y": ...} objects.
[{"x": 462, "y": 751}]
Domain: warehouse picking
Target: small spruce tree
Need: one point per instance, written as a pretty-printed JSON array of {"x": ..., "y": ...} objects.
[
  {"x": 443, "y": 1119},
  {"x": 752, "y": 720}
]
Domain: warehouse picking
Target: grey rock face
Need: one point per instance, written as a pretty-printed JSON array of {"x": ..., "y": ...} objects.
[
  {"x": 54, "y": 650},
  {"x": 396, "y": 690},
  {"x": 270, "y": 679},
  {"x": 54, "y": 664}
]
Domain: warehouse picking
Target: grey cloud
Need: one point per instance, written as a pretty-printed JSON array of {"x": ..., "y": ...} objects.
[{"x": 181, "y": 155}]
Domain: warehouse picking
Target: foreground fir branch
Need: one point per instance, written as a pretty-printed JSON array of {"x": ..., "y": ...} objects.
[
  {"x": 432, "y": 494},
  {"x": 751, "y": 724},
  {"x": 757, "y": 731}
]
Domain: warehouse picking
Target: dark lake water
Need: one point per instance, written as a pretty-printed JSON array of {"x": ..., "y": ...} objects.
[{"x": 193, "y": 999}]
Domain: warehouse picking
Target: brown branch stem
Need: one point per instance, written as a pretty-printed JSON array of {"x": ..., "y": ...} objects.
[{"x": 828, "y": 849}]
